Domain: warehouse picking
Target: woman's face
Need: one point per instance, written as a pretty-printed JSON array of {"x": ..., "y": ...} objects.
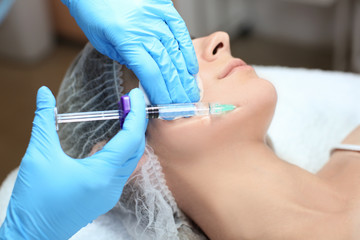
[{"x": 223, "y": 79}]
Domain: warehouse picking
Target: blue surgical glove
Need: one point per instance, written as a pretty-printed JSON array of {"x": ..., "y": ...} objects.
[
  {"x": 55, "y": 195},
  {"x": 149, "y": 37},
  {"x": 5, "y": 6}
]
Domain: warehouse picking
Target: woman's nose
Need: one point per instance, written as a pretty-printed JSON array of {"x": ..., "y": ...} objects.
[{"x": 217, "y": 44}]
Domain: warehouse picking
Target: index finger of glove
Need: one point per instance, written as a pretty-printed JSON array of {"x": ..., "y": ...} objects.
[
  {"x": 178, "y": 28},
  {"x": 148, "y": 72},
  {"x": 125, "y": 144}
]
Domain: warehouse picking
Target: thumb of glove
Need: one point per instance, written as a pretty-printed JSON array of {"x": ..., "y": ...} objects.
[{"x": 44, "y": 133}]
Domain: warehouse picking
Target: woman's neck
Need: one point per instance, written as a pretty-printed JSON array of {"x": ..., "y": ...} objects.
[{"x": 244, "y": 191}]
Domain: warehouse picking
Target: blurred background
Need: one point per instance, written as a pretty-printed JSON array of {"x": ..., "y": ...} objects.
[{"x": 39, "y": 39}]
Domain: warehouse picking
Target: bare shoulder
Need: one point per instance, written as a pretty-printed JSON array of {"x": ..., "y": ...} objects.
[
  {"x": 343, "y": 173},
  {"x": 343, "y": 167}
]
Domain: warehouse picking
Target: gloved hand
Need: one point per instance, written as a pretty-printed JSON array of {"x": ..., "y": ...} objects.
[
  {"x": 149, "y": 37},
  {"x": 55, "y": 195},
  {"x": 5, "y": 7}
]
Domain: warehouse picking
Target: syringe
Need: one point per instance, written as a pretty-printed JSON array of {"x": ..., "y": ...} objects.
[{"x": 165, "y": 111}]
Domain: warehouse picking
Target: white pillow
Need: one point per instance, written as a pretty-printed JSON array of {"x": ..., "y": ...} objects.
[{"x": 316, "y": 110}]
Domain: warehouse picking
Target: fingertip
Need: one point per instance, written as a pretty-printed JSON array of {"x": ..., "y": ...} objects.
[
  {"x": 189, "y": 53},
  {"x": 195, "y": 96},
  {"x": 44, "y": 121},
  {"x": 136, "y": 93},
  {"x": 194, "y": 67},
  {"x": 45, "y": 98},
  {"x": 137, "y": 114},
  {"x": 44, "y": 90},
  {"x": 194, "y": 90},
  {"x": 191, "y": 59},
  {"x": 137, "y": 99}
]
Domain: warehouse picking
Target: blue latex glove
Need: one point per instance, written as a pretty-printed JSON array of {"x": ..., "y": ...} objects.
[
  {"x": 5, "y": 6},
  {"x": 55, "y": 195},
  {"x": 149, "y": 37}
]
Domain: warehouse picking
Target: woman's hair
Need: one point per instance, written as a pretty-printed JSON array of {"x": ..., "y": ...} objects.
[
  {"x": 92, "y": 83},
  {"x": 147, "y": 208}
]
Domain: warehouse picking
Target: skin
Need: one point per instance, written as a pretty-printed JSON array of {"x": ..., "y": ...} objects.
[{"x": 225, "y": 177}]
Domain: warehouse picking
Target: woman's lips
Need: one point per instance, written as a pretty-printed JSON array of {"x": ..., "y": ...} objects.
[{"x": 234, "y": 63}]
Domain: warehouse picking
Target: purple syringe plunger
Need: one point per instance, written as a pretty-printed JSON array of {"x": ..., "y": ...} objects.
[{"x": 124, "y": 109}]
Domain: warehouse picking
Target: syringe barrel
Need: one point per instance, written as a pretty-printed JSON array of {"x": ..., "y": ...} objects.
[
  {"x": 173, "y": 111},
  {"x": 166, "y": 111}
]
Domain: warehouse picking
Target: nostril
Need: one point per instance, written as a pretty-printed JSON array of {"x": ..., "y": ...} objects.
[{"x": 220, "y": 45}]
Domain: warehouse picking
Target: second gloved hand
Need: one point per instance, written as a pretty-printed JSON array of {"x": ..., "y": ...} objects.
[
  {"x": 55, "y": 195},
  {"x": 149, "y": 37}
]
